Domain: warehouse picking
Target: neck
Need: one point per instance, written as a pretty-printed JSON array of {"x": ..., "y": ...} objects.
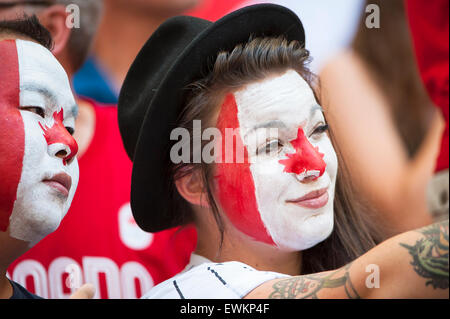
[
  {"x": 64, "y": 58},
  {"x": 6, "y": 290},
  {"x": 239, "y": 247},
  {"x": 124, "y": 29},
  {"x": 11, "y": 249}
]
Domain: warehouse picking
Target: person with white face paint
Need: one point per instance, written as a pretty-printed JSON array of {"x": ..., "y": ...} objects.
[
  {"x": 280, "y": 220},
  {"x": 38, "y": 164},
  {"x": 291, "y": 202},
  {"x": 110, "y": 255}
]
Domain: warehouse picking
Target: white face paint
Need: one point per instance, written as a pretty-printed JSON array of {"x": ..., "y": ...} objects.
[
  {"x": 48, "y": 161},
  {"x": 287, "y": 103}
]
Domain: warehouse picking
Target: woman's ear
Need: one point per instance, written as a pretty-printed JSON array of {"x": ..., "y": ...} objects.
[{"x": 191, "y": 188}]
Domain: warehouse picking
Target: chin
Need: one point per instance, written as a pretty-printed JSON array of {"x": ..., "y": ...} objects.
[
  {"x": 308, "y": 234},
  {"x": 34, "y": 228},
  {"x": 37, "y": 216}
]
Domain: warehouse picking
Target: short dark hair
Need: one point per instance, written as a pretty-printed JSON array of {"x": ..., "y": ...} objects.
[{"x": 30, "y": 27}]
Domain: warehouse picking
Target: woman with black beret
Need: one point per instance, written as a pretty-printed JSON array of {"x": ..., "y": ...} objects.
[{"x": 225, "y": 132}]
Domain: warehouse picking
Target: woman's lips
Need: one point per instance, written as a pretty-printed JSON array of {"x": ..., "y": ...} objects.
[
  {"x": 315, "y": 199},
  {"x": 61, "y": 182}
]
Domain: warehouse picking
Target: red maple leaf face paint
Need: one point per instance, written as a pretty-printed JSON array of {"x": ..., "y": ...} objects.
[
  {"x": 57, "y": 133},
  {"x": 263, "y": 197},
  {"x": 12, "y": 135},
  {"x": 307, "y": 161},
  {"x": 36, "y": 106}
]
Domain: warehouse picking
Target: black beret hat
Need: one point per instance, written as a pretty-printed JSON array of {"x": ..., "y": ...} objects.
[{"x": 176, "y": 55}]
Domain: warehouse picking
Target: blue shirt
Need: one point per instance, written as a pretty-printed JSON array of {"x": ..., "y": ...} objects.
[
  {"x": 92, "y": 81},
  {"x": 20, "y": 292}
]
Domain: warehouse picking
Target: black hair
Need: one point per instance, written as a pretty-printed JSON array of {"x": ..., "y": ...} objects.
[{"x": 30, "y": 27}]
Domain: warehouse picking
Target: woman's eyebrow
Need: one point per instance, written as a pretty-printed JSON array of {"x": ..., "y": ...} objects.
[
  {"x": 269, "y": 124},
  {"x": 280, "y": 124}
]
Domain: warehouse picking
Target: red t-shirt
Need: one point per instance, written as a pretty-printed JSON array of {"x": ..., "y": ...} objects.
[
  {"x": 429, "y": 22},
  {"x": 214, "y": 10},
  {"x": 98, "y": 241}
]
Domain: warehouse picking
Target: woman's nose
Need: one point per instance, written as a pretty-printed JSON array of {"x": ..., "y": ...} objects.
[
  {"x": 307, "y": 163},
  {"x": 309, "y": 176}
]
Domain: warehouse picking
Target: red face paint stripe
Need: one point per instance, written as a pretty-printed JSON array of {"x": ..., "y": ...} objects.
[
  {"x": 306, "y": 157},
  {"x": 12, "y": 134},
  {"x": 58, "y": 134},
  {"x": 235, "y": 182}
]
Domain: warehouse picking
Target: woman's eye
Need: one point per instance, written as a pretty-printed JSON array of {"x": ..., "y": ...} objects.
[
  {"x": 320, "y": 129},
  {"x": 35, "y": 109},
  {"x": 271, "y": 147},
  {"x": 70, "y": 130}
]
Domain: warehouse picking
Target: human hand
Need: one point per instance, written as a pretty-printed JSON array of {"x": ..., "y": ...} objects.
[{"x": 87, "y": 291}]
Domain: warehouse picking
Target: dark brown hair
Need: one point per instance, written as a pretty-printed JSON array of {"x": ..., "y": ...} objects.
[
  {"x": 247, "y": 63},
  {"x": 29, "y": 27},
  {"x": 388, "y": 54}
]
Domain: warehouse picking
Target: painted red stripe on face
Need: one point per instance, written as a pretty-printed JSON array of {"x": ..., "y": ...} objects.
[
  {"x": 306, "y": 157},
  {"x": 12, "y": 133},
  {"x": 236, "y": 188},
  {"x": 59, "y": 134}
]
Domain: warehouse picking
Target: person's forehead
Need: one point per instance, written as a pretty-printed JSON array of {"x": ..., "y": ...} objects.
[
  {"x": 286, "y": 96},
  {"x": 36, "y": 63},
  {"x": 41, "y": 73},
  {"x": 41, "y": 76}
]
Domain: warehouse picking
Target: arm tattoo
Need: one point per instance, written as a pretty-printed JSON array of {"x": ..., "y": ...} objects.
[
  {"x": 430, "y": 255},
  {"x": 307, "y": 286}
]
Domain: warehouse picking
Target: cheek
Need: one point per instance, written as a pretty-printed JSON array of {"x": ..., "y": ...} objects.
[
  {"x": 74, "y": 172},
  {"x": 12, "y": 136},
  {"x": 330, "y": 158},
  {"x": 34, "y": 152},
  {"x": 270, "y": 181},
  {"x": 271, "y": 188},
  {"x": 11, "y": 158},
  {"x": 235, "y": 185},
  {"x": 236, "y": 194}
]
